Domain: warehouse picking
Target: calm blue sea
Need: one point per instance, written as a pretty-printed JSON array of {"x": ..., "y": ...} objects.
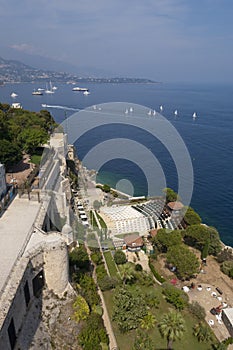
[{"x": 209, "y": 139}]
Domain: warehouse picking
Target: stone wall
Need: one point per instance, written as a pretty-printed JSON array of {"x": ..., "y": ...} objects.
[{"x": 43, "y": 267}]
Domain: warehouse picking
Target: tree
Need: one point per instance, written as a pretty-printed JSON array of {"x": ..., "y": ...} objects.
[
  {"x": 127, "y": 272},
  {"x": 89, "y": 290},
  {"x": 191, "y": 217},
  {"x": 107, "y": 283},
  {"x": 167, "y": 238},
  {"x": 78, "y": 257},
  {"x": 33, "y": 138},
  {"x": 148, "y": 321},
  {"x": 106, "y": 188},
  {"x": 220, "y": 346},
  {"x": 93, "y": 333},
  {"x": 138, "y": 267},
  {"x": 199, "y": 236},
  {"x": 197, "y": 310},
  {"x": 9, "y": 153},
  {"x": 152, "y": 299},
  {"x": 202, "y": 332},
  {"x": 120, "y": 257},
  {"x": 184, "y": 260},
  {"x": 142, "y": 341},
  {"x": 227, "y": 268},
  {"x": 81, "y": 309},
  {"x": 175, "y": 296},
  {"x": 129, "y": 308},
  {"x": 171, "y": 196},
  {"x": 172, "y": 327}
]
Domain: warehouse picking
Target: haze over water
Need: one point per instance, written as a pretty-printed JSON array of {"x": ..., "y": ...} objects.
[{"x": 208, "y": 138}]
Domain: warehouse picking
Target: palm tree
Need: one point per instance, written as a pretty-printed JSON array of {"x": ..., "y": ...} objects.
[
  {"x": 202, "y": 332},
  {"x": 127, "y": 272},
  {"x": 220, "y": 346},
  {"x": 172, "y": 327},
  {"x": 148, "y": 321}
]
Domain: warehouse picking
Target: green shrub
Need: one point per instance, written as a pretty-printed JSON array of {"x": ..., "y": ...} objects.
[
  {"x": 227, "y": 267},
  {"x": 175, "y": 296},
  {"x": 108, "y": 283},
  {"x": 155, "y": 273},
  {"x": 120, "y": 257},
  {"x": 138, "y": 267},
  {"x": 97, "y": 258},
  {"x": 197, "y": 310}
]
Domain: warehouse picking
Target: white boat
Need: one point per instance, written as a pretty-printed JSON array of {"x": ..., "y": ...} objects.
[
  {"x": 154, "y": 112},
  {"x": 161, "y": 108},
  {"x": 86, "y": 92},
  {"x": 150, "y": 112},
  {"x": 131, "y": 109},
  {"x": 14, "y": 95},
  {"x": 194, "y": 115},
  {"x": 16, "y": 105},
  {"x": 54, "y": 88},
  {"x": 126, "y": 111},
  {"x": 44, "y": 105},
  {"x": 49, "y": 90},
  {"x": 37, "y": 93},
  {"x": 176, "y": 112},
  {"x": 77, "y": 88},
  {"x": 40, "y": 89}
]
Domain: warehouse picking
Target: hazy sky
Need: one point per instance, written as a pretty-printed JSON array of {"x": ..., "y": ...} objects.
[{"x": 166, "y": 40}]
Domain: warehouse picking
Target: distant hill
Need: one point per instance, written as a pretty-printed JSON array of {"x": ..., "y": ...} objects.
[{"x": 12, "y": 71}]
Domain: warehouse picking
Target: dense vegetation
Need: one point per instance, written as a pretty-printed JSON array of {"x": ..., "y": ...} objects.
[
  {"x": 87, "y": 309},
  {"x": 21, "y": 130}
]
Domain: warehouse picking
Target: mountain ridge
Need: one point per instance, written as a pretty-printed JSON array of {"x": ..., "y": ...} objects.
[{"x": 13, "y": 71}]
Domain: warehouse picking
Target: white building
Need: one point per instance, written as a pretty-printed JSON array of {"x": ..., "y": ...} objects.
[{"x": 227, "y": 317}]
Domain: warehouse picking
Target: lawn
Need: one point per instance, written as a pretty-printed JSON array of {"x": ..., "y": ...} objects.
[
  {"x": 35, "y": 159},
  {"x": 125, "y": 341},
  {"x": 101, "y": 221},
  {"x": 111, "y": 264}
]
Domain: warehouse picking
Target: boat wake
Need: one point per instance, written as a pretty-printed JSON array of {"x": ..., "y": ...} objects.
[{"x": 60, "y": 107}]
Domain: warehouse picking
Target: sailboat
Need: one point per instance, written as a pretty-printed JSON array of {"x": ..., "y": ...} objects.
[
  {"x": 161, "y": 108},
  {"x": 49, "y": 90},
  {"x": 154, "y": 112},
  {"x": 131, "y": 109},
  {"x": 150, "y": 112},
  {"x": 176, "y": 113},
  {"x": 126, "y": 111},
  {"x": 194, "y": 115}
]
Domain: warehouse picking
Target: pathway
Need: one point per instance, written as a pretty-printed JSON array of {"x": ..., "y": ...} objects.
[{"x": 106, "y": 318}]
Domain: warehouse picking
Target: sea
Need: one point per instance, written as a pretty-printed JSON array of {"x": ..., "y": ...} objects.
[{"x": 208, "y": 137}]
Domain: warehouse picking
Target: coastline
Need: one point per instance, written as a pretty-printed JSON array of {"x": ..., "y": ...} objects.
[{"x": 127, "y": 196}]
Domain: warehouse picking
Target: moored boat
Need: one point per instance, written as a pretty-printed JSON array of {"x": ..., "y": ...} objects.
[
  {"x": 37, "y": 93},
  {"x": 77, "y": 88}
]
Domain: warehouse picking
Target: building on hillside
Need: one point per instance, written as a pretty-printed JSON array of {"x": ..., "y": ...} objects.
[
  {"x": 175, "y": 207},
  {"x": 153, "y": 233},
  {"x": 227, "y": 317},
  {"x": 133, "y": 242}
]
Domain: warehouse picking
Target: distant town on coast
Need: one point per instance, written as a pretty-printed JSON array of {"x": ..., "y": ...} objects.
[{"x": 12, "y": 71}]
